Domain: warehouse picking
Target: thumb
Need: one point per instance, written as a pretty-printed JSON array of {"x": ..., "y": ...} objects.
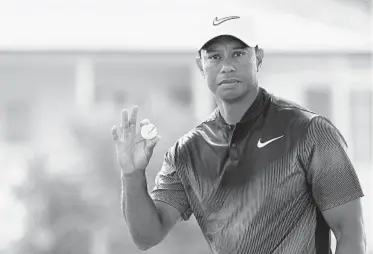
[{"x": 150, "y": 144}]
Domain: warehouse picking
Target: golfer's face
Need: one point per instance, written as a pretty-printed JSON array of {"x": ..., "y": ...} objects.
[{"x": 229, "y": 67}]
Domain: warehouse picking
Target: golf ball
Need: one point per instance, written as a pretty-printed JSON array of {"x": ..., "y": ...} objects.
[{"x": 148, "y": 131}]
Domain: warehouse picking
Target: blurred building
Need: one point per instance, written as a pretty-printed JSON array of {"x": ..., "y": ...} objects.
[{"x": 40, "y": 90}]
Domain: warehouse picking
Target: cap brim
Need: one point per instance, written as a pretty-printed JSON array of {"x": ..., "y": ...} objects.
[{"x": 220, "y": 35}]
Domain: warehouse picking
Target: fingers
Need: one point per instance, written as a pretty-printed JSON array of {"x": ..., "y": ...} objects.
[
  {"x": 128, "y": 126},
  {"x": 150, "y": 143},
  {"x": 133, "y": 119},
  {"x": 124, "y": 123},
  {"x": 144, "y": 122},
  {"x": 114, "y": 132}
]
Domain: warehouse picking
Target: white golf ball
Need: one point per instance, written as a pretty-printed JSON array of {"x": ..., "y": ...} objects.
[{"x": 149, "y": 131}]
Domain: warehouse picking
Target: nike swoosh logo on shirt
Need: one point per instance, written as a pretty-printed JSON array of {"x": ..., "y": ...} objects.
[
  {"x": 260, "y": 144},
  {"x": 221, "y": 20}
]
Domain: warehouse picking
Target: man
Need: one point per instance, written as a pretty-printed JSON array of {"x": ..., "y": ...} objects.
[{"x": 260, "y": 175}]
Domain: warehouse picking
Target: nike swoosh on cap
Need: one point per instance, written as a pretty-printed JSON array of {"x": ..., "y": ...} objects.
[{"x": 217, "y": 21}]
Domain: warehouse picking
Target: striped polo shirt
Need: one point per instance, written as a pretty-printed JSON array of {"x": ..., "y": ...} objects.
[{"x": 259, "y": 186}]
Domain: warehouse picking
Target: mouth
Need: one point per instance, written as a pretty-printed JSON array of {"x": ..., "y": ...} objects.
[{"x": 228, "y": 81}]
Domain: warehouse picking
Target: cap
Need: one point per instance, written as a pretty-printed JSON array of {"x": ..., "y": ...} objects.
[{"x": 236, "y": 26}]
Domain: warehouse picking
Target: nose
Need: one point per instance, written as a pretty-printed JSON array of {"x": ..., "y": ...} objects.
[{"x": 227, "y": 67}]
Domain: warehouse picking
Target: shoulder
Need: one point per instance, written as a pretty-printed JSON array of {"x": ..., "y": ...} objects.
[
  {"x": 289, "y": 109},
  {"x": 315, "y": 126},
  {"x": 187, "y": 141},
  {"x": 322, "y": 130},
  {"x": 300, "y": 121},
  {"x": 288, "y": 117},
  {"x": 192, "y": 135}
]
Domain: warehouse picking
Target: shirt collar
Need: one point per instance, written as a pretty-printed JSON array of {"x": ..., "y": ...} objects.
[{"x": 252, "y": 112}]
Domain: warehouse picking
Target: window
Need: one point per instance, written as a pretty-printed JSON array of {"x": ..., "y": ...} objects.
[{"x": 361, "y": 124}]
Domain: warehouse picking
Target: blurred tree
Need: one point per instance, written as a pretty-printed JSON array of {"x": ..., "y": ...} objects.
[
  {"x": 81, "y": 213},
  {"x": 59, "y": 219}
]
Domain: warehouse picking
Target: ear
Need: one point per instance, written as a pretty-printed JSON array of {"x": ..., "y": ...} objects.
[
  {"x": 259, "y": 56},
  {"x": 199, "y": 65}
]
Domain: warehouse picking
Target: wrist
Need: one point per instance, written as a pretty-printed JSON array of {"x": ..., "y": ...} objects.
[
  {"x": 133, "y": 173},
  {"x": 133, "y": 181}
]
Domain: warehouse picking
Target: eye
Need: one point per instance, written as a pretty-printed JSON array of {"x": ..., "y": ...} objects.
[
  {"x": 239, "y": 53},
  {"x": 215, "y": 57}
]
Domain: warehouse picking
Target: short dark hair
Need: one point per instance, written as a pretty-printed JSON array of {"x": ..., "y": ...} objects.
[{"x": 259, "y": 52}]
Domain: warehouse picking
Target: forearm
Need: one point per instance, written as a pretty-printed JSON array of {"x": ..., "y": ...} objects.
[
  {"x": 140, "y": 213},
  {"x": 348, "y": 245}
]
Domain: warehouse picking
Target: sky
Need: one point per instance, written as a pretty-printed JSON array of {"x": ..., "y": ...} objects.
[{"x": 170, "y": 25}]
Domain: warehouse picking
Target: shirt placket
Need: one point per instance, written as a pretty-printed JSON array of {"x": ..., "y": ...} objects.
[{"x": 233, "y": 146}]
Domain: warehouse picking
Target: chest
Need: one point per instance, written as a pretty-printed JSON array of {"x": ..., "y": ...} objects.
[{"x": 253, "y": 165}]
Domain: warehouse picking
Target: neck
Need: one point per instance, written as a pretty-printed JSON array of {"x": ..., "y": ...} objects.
[{"x": 232, "y": 113}]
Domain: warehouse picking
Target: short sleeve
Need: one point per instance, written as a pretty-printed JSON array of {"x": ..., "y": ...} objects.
[
  {"x": 169, "y": 188},
  {"x": 330, "y": 173}
]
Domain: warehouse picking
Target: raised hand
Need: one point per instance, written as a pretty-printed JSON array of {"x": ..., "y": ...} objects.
[{"x": 133, "y": 151}]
